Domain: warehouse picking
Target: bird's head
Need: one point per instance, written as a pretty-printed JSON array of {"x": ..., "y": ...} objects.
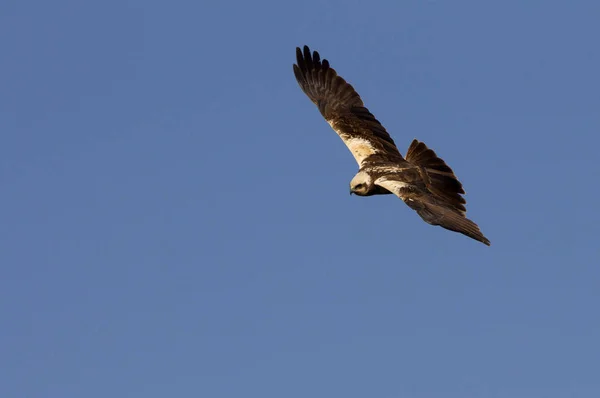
[{"x": 361, "y": 184}]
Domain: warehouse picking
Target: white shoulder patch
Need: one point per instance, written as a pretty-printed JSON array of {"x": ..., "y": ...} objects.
[
  {"x": 393, "y": 186},
  {"x": 361, "y": 148}
]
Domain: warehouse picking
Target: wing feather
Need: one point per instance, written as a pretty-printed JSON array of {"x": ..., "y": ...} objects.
[
  {"x": 343, "y": 109},
  {"x": 430, "y": 210},
  {"x": 437, "y": 175},
  {"x": 449, "y": 219}
]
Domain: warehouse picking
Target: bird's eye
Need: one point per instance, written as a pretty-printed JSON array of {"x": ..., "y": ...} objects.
[{"x": 359, "y": 186}]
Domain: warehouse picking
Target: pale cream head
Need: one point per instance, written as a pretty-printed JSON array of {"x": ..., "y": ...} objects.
[{"x": 361, "y": 184}]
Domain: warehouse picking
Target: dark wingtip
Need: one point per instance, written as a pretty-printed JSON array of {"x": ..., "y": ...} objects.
[
  {"x": 477, "y": 235},
  {"x": 299, "y": 58},
  {"x": 298, "y": 74},
  {"x": 308, "y": 61},
  {"x": 307, "y": 58}
]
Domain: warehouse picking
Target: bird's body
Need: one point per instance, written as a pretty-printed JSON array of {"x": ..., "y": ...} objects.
[{"x": 421, "y": 179}]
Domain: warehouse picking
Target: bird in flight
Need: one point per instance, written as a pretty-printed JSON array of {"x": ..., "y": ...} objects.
[{"x": 421, "y": 179}]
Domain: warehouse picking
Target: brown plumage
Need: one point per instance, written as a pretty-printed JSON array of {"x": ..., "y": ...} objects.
[
  {"x": 422, "y": 180},
  {"x": 437, "y": 175}
]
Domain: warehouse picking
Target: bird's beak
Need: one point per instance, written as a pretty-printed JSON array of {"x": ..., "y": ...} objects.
[{"x": 351, "y": 191}]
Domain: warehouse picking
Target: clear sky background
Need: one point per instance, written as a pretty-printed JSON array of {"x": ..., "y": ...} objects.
[{"x": 175, "y": 216}]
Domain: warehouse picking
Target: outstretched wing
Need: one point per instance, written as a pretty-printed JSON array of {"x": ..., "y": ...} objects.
[
  {"x": 431, "y": 210},
  {"x": 437, "y": 175},
  {"x": 343, "y": 109}
]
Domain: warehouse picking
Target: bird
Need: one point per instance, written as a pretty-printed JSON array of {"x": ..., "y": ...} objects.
[{"x": 421, "y": 179}]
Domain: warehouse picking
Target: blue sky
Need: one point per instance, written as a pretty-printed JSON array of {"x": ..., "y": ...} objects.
[{"x": 176, "y": 219}]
